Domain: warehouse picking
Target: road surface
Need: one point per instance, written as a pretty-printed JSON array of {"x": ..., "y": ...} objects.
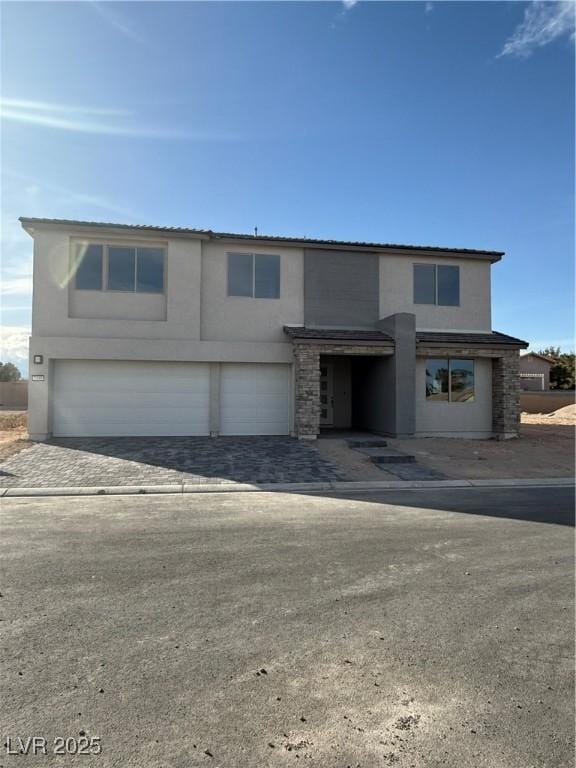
[{"x": 406, "y": 629}]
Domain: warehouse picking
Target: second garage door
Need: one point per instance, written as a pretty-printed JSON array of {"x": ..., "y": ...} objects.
[
  {"x": 117, "y": 398},
  {"x": 254, "y": 399}
]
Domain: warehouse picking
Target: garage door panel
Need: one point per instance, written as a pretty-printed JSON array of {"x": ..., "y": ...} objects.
[
  {"x": 116, "y": 398},
  {"x": 255, "y": 399},
  {"x": 144, "y": 400}
]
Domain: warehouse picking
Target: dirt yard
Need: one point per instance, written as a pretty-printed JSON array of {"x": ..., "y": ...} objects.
[
  {"x": 544, "y": 449},
  {"x": 13, "y": 433}
]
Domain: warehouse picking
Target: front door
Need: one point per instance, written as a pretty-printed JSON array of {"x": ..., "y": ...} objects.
[{"x": 326, "y": 394}]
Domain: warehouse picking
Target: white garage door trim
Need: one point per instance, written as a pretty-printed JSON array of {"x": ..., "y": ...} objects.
[
  {"x": 109, "y": 398},
  {"x": 255, "y": 399}
]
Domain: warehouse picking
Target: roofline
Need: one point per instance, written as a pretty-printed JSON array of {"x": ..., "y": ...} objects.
[
  {"x": 29, "y": 224},
  {"x": 496, "y": 344},
  {"x": 542, "y": 357}
]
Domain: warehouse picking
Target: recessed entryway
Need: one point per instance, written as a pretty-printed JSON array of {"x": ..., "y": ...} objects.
[{"x": 355, "y": 392}]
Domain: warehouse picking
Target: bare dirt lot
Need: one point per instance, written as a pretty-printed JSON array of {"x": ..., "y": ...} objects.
[
  {"x": 13, "y": 433},
  {"x": 545, "y": 448},
  {"x": 542, "y": 450}
]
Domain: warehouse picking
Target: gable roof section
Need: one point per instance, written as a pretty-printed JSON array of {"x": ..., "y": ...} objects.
[{"x": 29, "y": 223}]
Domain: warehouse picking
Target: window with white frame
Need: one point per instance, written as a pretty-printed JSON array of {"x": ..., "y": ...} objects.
[
  {"x": 449, "y": 380},
  {"x": 254, "y": 275},
  {"x": 437, "y": 284},
  {"x": 132, "y": 269}
]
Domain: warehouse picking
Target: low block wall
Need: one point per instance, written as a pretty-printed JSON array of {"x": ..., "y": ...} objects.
[
  {"x": 545, "y": 402},
  {"x": 14, "y": 394}
]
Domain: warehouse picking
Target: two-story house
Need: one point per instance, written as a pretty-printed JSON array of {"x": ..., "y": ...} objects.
[{"x": 142, "y": 330}]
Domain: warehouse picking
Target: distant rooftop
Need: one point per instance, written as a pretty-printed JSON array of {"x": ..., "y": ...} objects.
[{"x": 29, "y": 223}]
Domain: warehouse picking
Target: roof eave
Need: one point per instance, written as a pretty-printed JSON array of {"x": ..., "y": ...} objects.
[
  {"x": 391, "y": 250},
  {"x": 472, "y": 344},
  {"x": 29, "y": 224}
]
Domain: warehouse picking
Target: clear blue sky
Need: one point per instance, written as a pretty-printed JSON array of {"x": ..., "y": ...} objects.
[{"x": 430, "y": 123}]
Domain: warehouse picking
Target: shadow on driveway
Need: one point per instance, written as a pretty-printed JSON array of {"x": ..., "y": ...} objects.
[{"x": 167, "y": 460}]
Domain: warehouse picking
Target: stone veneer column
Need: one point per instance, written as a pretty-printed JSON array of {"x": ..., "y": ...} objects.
[
  {"x": 307, "y": 384},
  {"x": 506, "y": 395}
]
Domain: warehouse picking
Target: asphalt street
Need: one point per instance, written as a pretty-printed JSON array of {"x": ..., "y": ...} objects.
[{"x": 406, "y": 629}]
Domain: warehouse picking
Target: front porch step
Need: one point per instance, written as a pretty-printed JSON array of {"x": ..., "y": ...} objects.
[
  {"x": 367, "y": 442},
  {"x": 387, "y": 455}
]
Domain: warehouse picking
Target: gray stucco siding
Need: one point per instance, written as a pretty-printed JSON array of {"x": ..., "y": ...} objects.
[
  {"x": 340, "y": 288},
  {"x": 472, "y": 419}
]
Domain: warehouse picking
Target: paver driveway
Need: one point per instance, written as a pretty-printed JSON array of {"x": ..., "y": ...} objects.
[{"x": 160, "y": 461}]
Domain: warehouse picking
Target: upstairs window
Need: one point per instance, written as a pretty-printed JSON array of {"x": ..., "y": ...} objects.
[
  {"x": 120, "y": 268},
  {"x": 89, "y": 270},
  {"x": 149, "y": 270},
  {"x": 448, "y": 285},
  {"x": 437, "y": 284},
  {"x": 424, "y": 284},
  {"x": 450, "y": 380},
  {"x": 254, "y": 275}
]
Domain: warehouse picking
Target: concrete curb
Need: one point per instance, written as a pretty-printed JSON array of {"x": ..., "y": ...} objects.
[{"x": 339, "y": 486}]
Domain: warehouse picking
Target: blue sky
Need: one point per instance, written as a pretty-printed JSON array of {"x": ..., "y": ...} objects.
[{"x": 417, "y": 122}]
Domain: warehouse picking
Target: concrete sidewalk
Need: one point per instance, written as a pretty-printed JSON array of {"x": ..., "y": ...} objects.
[{"x": 232, "y": 487}]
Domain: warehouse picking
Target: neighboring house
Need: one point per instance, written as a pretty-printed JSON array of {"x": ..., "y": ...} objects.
[
  {"x": 141, "y": 330},
  {"x": 535, "y": 371}
]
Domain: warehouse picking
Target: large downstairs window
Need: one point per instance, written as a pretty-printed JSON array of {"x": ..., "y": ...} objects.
[
  {"x": 254, "y": 275},
  {"x": 437, "y": 284},
  {"x": 449, "y": 380},
  {"x": 119, "y": 268}
]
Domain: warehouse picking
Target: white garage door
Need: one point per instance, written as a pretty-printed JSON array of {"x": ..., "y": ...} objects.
[
  {"x": 110, "y": 398},
  {"x": 254, "y": 399}
]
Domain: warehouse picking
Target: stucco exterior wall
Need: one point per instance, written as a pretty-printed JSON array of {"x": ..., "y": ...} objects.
[
  {"x": 239, "y": 318},
  {"x": 116, "y": 305},
  {"x": 340, "y": 288},
  {"x": 397, "y": 294},
  {"x": 459, "y": 419},
  {"x": 59, "y": 310}
]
